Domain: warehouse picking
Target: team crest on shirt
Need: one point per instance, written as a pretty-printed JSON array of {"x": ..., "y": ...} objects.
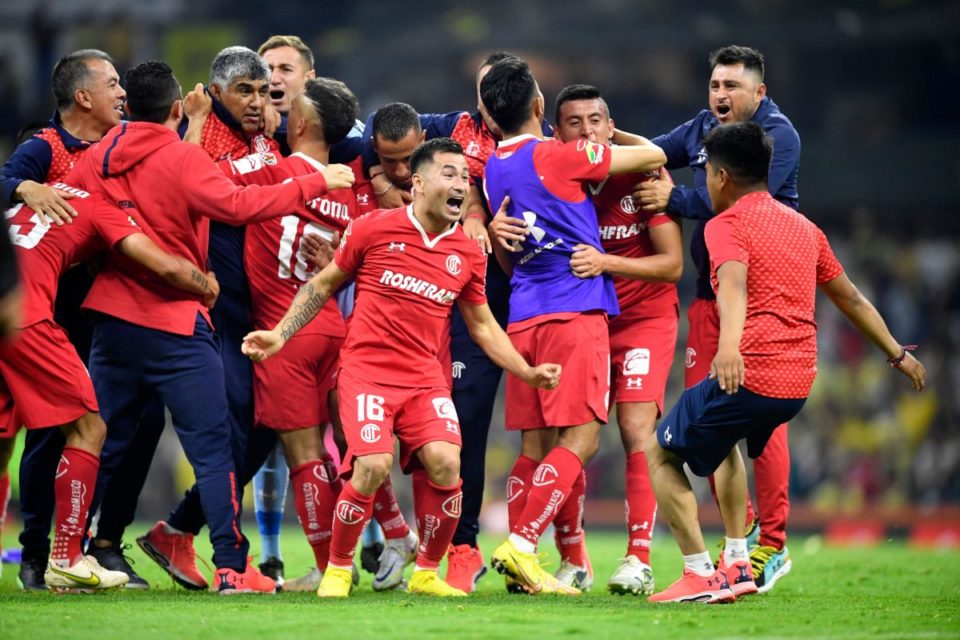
[
  {"x": 261, "y": 145},
  {"x": 453, "y": 264},
  {"x": 636, "y": 362},
  {"x": 628, "y": 204}
]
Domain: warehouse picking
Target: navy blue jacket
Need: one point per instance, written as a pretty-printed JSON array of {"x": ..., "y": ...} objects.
[
  {"x": 684, "y": 148},
  {"x": 34, "y": 160}
]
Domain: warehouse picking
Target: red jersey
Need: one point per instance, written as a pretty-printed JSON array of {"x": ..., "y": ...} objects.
[
  {"x": 274, "y": 263},
  {"x": 787, "y": 256},
  {"x": 176, "y": 189},
  {"x": 625, "y": 231},
  {"x": 44, "y": 251},
  {"x": 407, "y": 282}
]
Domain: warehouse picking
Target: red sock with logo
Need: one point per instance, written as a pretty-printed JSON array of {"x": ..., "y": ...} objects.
[
  {"x": 641, "y": 507},
  {"x": 73, "y": 487},
  {"x": 568, "y": 525},
  {"x": 314, "y": 498},
  {"x": 438, "y": 512},
  {"x": 386, "y": 510},
  {"x": 550, "y": 486},
  {"x": 350, "y": 515},
  {"x": 518, "y": 487}
]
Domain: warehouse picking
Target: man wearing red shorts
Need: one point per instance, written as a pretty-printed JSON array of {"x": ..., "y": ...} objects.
[
  {"x": 411, "y": 264},
  {"x": 645, "y": 257},
  {"x": 41, "y": 358},
  {"x": 554, "y": 315}
]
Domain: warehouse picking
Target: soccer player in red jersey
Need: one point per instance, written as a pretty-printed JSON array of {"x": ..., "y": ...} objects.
[
  {"x": 644, "y": 254},
  {"x": 411, "y": 264},
  {"x": 541, "y": 186},
  {"x": 42, "y": 356},
  {"x": 766, "y": 263}
]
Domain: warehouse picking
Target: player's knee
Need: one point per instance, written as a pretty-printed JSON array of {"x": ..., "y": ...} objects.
[
  {"x": 443, "y": 467},
  {"x": 370, "y": 471}
]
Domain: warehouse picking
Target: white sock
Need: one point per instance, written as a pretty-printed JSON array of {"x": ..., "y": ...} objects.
[
  {"x": 734, "y": 550},
  {"x": 522, "y": 544},
  {"x": 700, "y": 564},
  {"x": 417, "y": 567}
]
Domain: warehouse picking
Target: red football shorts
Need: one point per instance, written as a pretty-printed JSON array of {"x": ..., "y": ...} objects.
[
  {"x": 702, "y": 340},
  {"x": 46, "y": 384},
  {"x": 641, "y": 354},
  {"x": 373, "y": 414},
  {"x": 581, "y": 345},
  {"x": 290, "y": 389}
]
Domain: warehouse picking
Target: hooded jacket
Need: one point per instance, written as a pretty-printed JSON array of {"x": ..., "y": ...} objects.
[{"x": 176, "y": 189}]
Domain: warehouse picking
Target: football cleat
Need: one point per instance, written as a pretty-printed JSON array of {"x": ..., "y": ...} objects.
[
  {"x": 84, "y": 575},
  {"x": 309, "y": 582},
  {"x": 272, "y": 567},
  {"x": 336, "y": 583},
  {"x": 739, "y": 575},
  {"x": 574, "y": 576},
  {"x": 372, "y": 542},
  {"x": 114, "y": 559},
  {"x": 30, "y": 576},
  {"x": 175, "y": 555},
  {"x": 231, "y": 582},
  {"x": 426, "y": 582},
  {"x": 397, "y": 554},
  {"x": 691, "y": 587},
  {"x": 525, "y": 569},
  {"x": 769, "y": 565},
  {"x": 465, "y": 567},
  {"x": 632, "y": 576},
  {"x": 515, "y": 588}
]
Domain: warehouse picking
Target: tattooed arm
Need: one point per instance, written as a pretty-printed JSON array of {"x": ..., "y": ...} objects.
[
  {"x": 178, "y": 271},
  {"x": 258, "y": 345}
]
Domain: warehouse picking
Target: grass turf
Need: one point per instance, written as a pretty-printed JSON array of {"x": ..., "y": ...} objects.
[{"x": 890, "y": 591}]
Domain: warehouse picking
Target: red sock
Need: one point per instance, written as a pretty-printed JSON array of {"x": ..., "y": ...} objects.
[
  {"x": 73, "y": 487},
  {"x": 550, "y": 486},
  {"x": 568, "y": 525},
  {"x": 314, "y": 498},
  {"x": 751, "y": 514},
  {"x": 351, "y": 513},
  {"x": 438, "y": 512},
  {"x": 518, "y": 485},
  {"x": 771, "y": 473},
  {"x": 4, "y": 497},
  {"x": 387, "y": 512},
  {"x": 641, "y": 507}
]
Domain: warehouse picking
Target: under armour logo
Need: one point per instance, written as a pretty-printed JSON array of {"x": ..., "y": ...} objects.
[
  {"x": 531, "y": 219},
  {"x": 634, "y": 383},
  {"x": 397, "y": 246}
]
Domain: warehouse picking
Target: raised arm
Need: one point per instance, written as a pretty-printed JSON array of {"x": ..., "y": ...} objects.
[
  {"x": 258, "y": 345},
  {"x": 496, "y": 344},
  {"x": 865, "y": 317},
  {"x": 636, "y": 158}
]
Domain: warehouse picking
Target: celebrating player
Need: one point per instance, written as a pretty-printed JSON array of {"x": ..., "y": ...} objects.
[
  {"x": 645, "y": 256},
  {"x": 554, "y": 315},
  {"x": 42, "y": 356},
  {"x": 411, "y": 264},
  {"x": 766, "y": 263}
]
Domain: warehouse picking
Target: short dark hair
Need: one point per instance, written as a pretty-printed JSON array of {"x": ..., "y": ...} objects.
[
  {"x": 494, "y": 58},
  {"x": 335, "y": 105},
  {"x": 751, "y": 59},
  {"x": 508, "y": 91},
  {"x": 151, "y": 91},
  {"x": 743, "y": 149},
  {"x": 71, "y": 72},
  {"x": 426, "y": 151},
  {"x": 395, "y": 120},
  {"x": 579, "y": 92}
]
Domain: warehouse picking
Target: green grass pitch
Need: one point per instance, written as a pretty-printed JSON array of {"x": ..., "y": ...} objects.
[{"x": 890, "y": 591}]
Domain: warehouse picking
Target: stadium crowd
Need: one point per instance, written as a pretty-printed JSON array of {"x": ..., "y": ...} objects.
[{"x": 257, "y": 210}]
